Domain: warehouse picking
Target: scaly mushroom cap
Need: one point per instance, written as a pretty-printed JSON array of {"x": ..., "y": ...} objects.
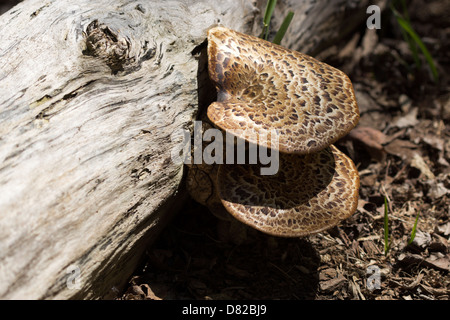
[
  {"x": 310, "y": 193},
  {"x": 263, "y": 86}
]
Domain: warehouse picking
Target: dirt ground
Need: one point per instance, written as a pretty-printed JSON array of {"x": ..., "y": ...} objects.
[{"x": 402, "y": 150}]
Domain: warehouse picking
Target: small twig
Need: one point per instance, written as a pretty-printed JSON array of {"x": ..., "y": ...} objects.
[{"x": 283, "y": 272}]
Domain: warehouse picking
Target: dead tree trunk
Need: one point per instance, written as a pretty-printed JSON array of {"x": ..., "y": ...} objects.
[{"x": 90, "y": 92}]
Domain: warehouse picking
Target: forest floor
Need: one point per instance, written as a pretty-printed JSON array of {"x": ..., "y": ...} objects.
[{"x": 402, "y": 150}]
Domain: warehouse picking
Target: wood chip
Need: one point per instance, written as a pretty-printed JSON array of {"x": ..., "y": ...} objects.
[{"x": 332, "y": 284}]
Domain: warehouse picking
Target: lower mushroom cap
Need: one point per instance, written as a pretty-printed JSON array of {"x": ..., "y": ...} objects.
[{"x": 310, "y": 193}]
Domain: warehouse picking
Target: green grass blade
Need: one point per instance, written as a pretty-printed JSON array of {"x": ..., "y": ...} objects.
[
  {"x": 405, "y": 10},
  {"x": 269, "y": 11},
  {"x": 413, "y": 47},
  {"x": 414, "y": 229},
  {"x": 404, "y": 24},
  {"x": 284, "y": 26},
  {"x": 267, "y": 16},
  {"x": 386, "y": 227}
]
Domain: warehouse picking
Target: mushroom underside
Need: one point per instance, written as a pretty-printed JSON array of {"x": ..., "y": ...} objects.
[{"x": 308, "y": 194}]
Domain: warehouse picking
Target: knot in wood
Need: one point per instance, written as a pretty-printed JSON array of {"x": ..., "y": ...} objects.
[{"x": 102, "y": 42}]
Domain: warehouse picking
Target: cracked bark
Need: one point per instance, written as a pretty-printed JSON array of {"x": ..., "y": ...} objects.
[{"x": 90, "y": 93}]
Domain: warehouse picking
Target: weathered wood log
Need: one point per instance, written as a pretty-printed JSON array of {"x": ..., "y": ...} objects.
[{"x": 90, "y": 93}]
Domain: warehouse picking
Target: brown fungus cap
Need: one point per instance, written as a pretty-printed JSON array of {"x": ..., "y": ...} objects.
[
  {"x": 263, "y": 87},
  {"x": 310, "y": 193}
]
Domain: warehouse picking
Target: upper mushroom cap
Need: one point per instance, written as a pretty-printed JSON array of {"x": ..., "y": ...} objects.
[
  {"x": 264, "y": 87},
  {"x": 310, "y": 193}
]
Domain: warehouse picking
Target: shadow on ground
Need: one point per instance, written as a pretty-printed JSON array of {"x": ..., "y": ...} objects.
[{"x": 193, "y": 260}]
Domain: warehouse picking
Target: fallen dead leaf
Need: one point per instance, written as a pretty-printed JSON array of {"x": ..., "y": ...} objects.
[
  {"x": 372, "y": 140},
  {"x": 437, "y": 190},
  {"x": 403, "y": 149},
  {"x": 408, "y": 120},
  {"x": 421, "y": 240},
  {"x": 444, "y": 229},
  {"x": 419, "y": 163},
  {"x": 439, "y": 263},
  {"x": 141, "y": 292}
]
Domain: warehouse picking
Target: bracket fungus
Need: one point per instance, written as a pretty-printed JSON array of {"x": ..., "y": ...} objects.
[
  {"x": 266, "y": 89},
  {"x": 263, "y": 87}
]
